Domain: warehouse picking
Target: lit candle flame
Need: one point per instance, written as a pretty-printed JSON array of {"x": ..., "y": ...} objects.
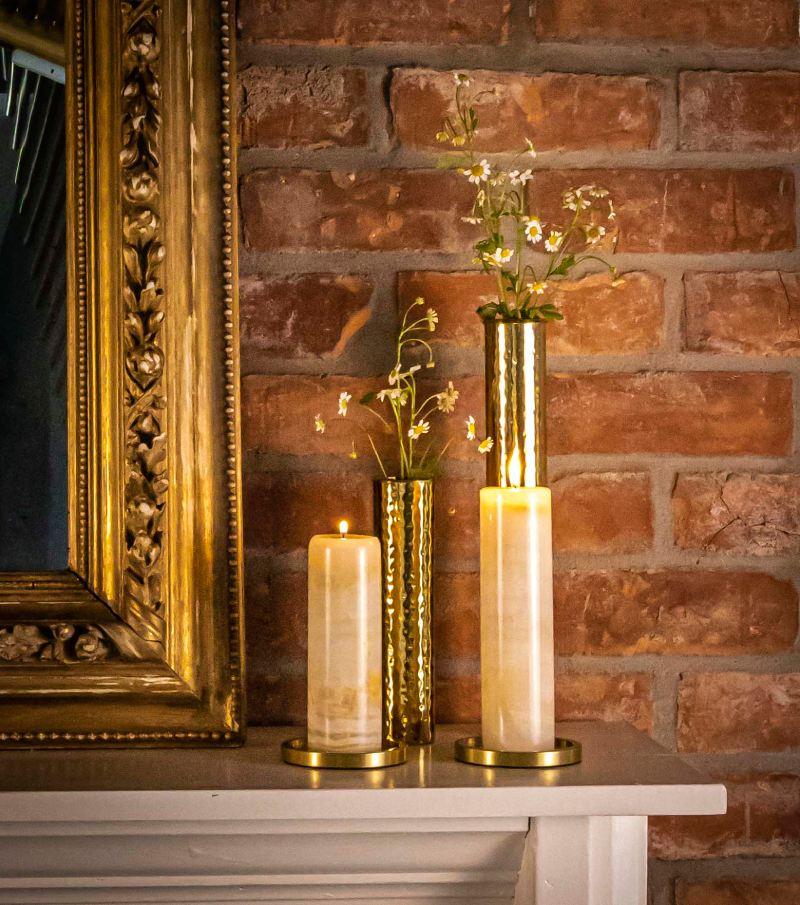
[
  {"x": 515, "y": 469},
  {"x": 343, "y": 526}
]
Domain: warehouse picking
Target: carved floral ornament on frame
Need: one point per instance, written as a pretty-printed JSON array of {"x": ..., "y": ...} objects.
[{"x": 139, "y": 640}]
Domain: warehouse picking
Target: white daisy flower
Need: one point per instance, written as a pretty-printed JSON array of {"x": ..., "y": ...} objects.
[
  {"x": 537, "y": 288},
  {"x": 485, "y": 446},
  {"x": 501, "y": 256},
  {"x": 470, "y": 428},
  {"x": 418, "y": 429},
  {"x": 517, "y": 177},
  {"x": 533, "y": 230},
  {"x": 553, "y": 241},
  {"x": 344, "y": 398},
  {"x": 594, "y": 233},
  {"x": 395, "y": 375},
  {"x": 446, "y": 400},
  {"x": 461, "y": 79},
  {"x": 478, "y": 172},
  {"x": 433, "y": 319}
]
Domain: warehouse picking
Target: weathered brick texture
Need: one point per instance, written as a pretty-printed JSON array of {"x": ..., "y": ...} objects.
[
  {"x": 598, "y": 319},
  {"x": 327, "y": 311},
  {"x": 563, "y": 111},
  {"x": 757, "y": 23},
  {"x": 738, "y": 892},
  {"x": 698, "y": 211},
  {"x": 763, "y": 819},
  {"x": 708, "y": 413},
  {"x": 308, "y": 106},
  {"x": 739, "y": 711},
  {"x": 742, "y": 312},
  {"x": 383, "y": 210},
  {"x": 675, "y": 456},
  {"x": 740, "y": 111},
  {"x": 743, "y": 513},
  {"x": 659, "y": 612},
  {"x": 373, "y": 21}
]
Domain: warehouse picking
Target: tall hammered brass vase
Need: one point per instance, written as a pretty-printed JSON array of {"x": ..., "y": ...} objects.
[
  {"x": 406, "y": 533},
  {"x": 516, "y": 401}
]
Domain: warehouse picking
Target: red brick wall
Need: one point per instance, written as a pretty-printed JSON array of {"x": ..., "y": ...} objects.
[{"x": 673, "y": 412}]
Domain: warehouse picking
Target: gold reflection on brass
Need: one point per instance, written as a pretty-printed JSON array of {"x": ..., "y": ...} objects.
[
  {"x": 406, "y": 532},
  {"x": 470, "y": 751},
  {"x": 296, "y": 751},
  {"x": 515, "y": 365}
]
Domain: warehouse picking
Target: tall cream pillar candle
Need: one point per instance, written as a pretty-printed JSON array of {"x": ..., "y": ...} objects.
[
  {"x": 345, "y": 687},
  {"x": 517, "y": 668}
]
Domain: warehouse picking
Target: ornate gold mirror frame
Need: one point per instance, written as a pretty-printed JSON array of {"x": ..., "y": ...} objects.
[{"x": 138, "y": 642}]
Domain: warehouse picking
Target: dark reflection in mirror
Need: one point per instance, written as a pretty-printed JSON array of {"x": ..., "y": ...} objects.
[{"x": 33, "y": 359}]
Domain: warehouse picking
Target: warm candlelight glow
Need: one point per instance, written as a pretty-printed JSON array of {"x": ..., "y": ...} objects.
[
  {"x": 517, "y": 669},
  {"x": 515, "y": 469},
  {"x": 343, "y": 526}
]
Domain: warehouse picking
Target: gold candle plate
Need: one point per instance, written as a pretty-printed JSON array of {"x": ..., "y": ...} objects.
[
  {"x": 296, "y": 751},
  {"x": 471, "y": 751}
]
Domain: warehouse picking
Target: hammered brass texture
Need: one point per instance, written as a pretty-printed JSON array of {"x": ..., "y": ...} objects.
[
  {"x": 406, "y": 533},
  {"x": 296, "y": 751},
  {"x": 516, "y": 366},
  {"x": 470, "y": 751}
]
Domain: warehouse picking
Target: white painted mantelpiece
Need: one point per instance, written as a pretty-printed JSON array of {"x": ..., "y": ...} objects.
[{"x": 239, "y": 826}]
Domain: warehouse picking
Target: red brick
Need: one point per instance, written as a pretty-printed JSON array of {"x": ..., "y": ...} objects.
[
  {"x": 703, "y": 413},
  {"x": 737, "y": 711},
  {"x": 740, "y": 111},
  {"x": 278, "y": 415},
  {"x": 276, "y": 607},
  {"x": 303, "y": 315},
  {"x": 579, "y": 696},
  {"x": 763, "y": 819},
  {"x": 456, "y": 614},
  {"x": 277, "y": 697},
  {"x": 602, "y": 513},
  {"x": 598, "y": 319},
  {"x": 617, "y": 613},
  {"x": 283, "y": 510},
  {"x": 374, "y": 21},
  {"x": 306, "y": 106},
  {"x": 457, "y": 698},
  {"x": 742, "y": 312},
  {"x": 737, "y": 892},
  {"x": 278, "y": 418},
  {"x": 756, "y": 23},
  {"x": 383, "y": 210},
  {"x": 582, "y": 696},
  {"x": 557, "y": 110},
  {"x": 750, "y": 514},
  {"x": 456, "y": 521},
  {"x": 592, "y": 513},
  {"x": 685, "y": 211}
]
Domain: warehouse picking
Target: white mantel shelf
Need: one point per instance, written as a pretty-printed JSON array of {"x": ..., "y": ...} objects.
[{"x": 238, "y": 825}]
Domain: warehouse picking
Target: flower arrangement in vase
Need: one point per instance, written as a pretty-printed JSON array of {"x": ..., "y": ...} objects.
[
  {"x": 407, "y": 413},
  {"x": 527, "y": 255}
]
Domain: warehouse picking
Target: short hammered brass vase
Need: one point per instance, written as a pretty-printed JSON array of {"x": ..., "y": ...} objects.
[
  {"x": 406, "y": 533},
  {"x": 516, "y": 402}
]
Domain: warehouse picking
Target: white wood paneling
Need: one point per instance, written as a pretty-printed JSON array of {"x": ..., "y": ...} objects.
[{"x": 239, "y": 826}]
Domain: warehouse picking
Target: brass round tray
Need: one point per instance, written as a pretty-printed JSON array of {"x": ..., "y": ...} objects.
[
  {"x": 470, "y": 751},
  {"x": 296, "y": 751}
]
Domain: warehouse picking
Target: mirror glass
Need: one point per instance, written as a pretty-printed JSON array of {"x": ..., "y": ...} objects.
[{"x": 33, "y": 344}]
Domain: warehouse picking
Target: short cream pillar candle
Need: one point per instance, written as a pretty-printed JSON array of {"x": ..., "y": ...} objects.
[
  {"x": 345, "y": 687},
  {"x": 517, "y": 668}
]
